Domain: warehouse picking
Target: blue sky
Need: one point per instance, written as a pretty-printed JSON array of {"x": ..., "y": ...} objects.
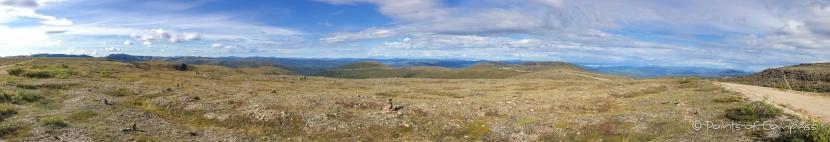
[{"x": 735, "y": 34}]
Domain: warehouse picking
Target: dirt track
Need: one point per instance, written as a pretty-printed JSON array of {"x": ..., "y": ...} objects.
[
  {"x": 813, "y": 105},
  {"x": 3, "y": 68}
]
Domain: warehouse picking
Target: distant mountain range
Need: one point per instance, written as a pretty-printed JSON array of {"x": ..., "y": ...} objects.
[
  {"x": 657, "y": 72},
  {"x": 307, "y": 66},
  {"x": 481, "y": 70}
]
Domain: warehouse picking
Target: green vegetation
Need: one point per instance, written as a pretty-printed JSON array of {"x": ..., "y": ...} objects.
[
  {"x": 53, "y": 121},
  {"x": 266, "y": 70},
  {"x": 754, "y": 111},
  {"x": 650, "y": 90},
  {"x": 470, "y": 131},
  {"x": 43, "y": 71},
  {"x": 10, "y": 131},
  {"x": 147, "y": 139},
  {"x": 729, "y": 99},
  {"x": 818, "y": 133},
  {"x": 6, "y": 110},
  {"x": 81, "y": 116},
  {"x": 23, "y": 96},
  {"x": 688, "y": 80},
  {"x": 120, "y": 92},
  {"x": 524, "y": 121}
]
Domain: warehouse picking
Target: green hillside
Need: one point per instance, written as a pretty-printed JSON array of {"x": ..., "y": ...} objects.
[
  {"x": 812, "y": 77},
  {"x": 483, "y": 70},
  {"x": 362, "y": 65}
]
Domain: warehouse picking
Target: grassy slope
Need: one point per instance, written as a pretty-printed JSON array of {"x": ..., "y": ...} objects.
[
  {"x": 803, "y": 77},
  {"x": 218, "y": 106},
  {"x": 484, "y": 70}
]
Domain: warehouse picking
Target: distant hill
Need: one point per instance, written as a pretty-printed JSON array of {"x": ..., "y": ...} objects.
[
  {"x": 309, "y": 66},
  {"x": 810, "y": 77},
  {"x": 656, "y": 72},
  {"x": 125, "y": 57},
  {"x": 249, "y": 65},
  {"x": 265, "y": 70},
  {"x": 537, "y": 66},
  {"x": 221, "y": 70},
  {"x": 364, "y": 65},
  {"x": 61, "y": 55},
  {"x": 482, "y": 70},
  {"x": 489, "y": 65}
]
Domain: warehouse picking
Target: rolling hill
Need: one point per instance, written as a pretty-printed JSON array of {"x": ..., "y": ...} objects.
[
  {"x": 481, "y": 70},
  {"x": 810, "y": 77},
  {"x": 657, "y": 72},
  {"x": 245, "y": 65}
]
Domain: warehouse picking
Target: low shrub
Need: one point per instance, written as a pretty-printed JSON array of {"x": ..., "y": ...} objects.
[
  {"x": 15, "y": 71},
  {"x": 10, "y": 131},
  {"x": 821, "y": 133},
  {"x": 729, "y": 99},
  {"x": 53, "y": 121},
  {"x": 754, "y": 111},
  {"x": 6, "y": 110},
  {"x": 688, "y": 80},
  {"x": 43, "y": 71},
  {"x": 81, "y": 116},
  {"x": 22, "y": 96}
]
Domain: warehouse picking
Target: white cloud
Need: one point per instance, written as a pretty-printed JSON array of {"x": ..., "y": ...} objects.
[
  {"x": 176, "y": 39},
  {"x": 10, "y": 14},
  {"x": 147, "y": 43},
  {"x": 57, "y": 22},
  {"x": 20, "y": 3},
  {"x": 369, "y": 33},
  {"x": 58, "y": 42},
  {"x": 163, "y": 35},
  {"x": 17, "y": 37},
  {"x": 113, "y": 49},
  {"x": 192, "y": 36},
  {"x": 216, "y": 45},
  {"x": 128, "y": 43},
  {"x": 147, "y": 38}
]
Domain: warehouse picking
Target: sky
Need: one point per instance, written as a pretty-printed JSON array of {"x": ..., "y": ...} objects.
[{"x": 734, "y": 34}]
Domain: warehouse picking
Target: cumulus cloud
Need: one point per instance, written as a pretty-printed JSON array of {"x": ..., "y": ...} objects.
[
  {"x": 128, "y": 43},
  {"x": 147, "y": 38},
  {"x": 147, "y": 43},
  {"x": 113, "y": 49},
  {"x": 176, "y": 39},
  {"x": 164, "y": 35}
]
